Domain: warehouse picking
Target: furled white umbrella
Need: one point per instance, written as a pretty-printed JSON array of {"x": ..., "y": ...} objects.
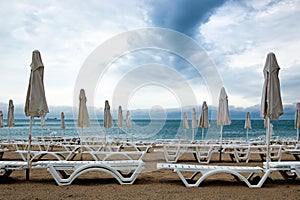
[
  {"x": 128, "y": 121},
  {"x": 271, "y": 103},
  {"x": 10, "y": 117},
  {"x": 223, "y": 111},
  {"x": 297, "y": 120},
  {"x": 203, "y": 119},
  {"x": 1, "y": 123},
  {"x": 247, "y": 123},
  {"x": 194, "y": 123},
  {"x": 83, "y": 115},
  {"x": 120, "y": 119},
  {"x": 108, "y": 122},
  {"x": 185, "y": 124},
  {"x": 223, "y": 115},
  {"x": 36, "y": 104},
  {"x": 62, "y": 124}
]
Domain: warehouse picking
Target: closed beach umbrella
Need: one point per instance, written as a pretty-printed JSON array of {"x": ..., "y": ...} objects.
[
  {"x": 194, "y": 122},
  {"x": 297, "y": 120},
  {"x": 1, "y": 119},
  {"x": 128, "y": 121},
  {"x": 120, "y": 119},
  {"x": 223, "y": 111},
  {"x": 36, "y": 104},
  {"x": 83, "y": 115},
  {"x": 203, "y": 119},
  {"x": 62, "y": 118},
  {"x": 62, "y": 125},
  {"x": 1, "y": 123},
  {"x": 247, "y": 123},
  {"x": 185, "y": 124},
  {"x": 10, "y": 117},
  {"x": 223, "y": 115},
  {"x": 271, "y": 103},
  {"x": 108, "y": 122}
]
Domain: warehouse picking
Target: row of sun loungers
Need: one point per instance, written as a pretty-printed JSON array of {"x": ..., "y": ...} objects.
[
  {"x": 127, "y": 171},
  {"x": 237, "y": 152},
  {"x": 126, "y": 163}
]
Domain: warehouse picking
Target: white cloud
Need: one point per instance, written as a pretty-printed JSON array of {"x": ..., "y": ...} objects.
[
  {"x": 65, "y": 32},
  {"x": 239, "y": 36}
]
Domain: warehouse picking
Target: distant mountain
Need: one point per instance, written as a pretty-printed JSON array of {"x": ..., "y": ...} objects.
[{"x": 170, "y": 113}]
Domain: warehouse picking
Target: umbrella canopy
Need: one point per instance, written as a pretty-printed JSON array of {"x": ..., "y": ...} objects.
[
  {"x": 297, "y": 119},
  {"x": 194, "y": 122},
  {"x": 108, "y": 122},
  {"x": 1, "y": 123},
  {"x": 185, "y": 121},
  {"x": 185, "y": 124},
  {"x": 62, "y": 119},
  {"x": 223, "y": 111},
  {"x": 271, "y": 103},
  {"x": 10, "y": 114},
  {"x": 248, "y": 123},
  {"x": 128, "y": 119},
  {"x": 128, "y": 122},
  {"x": 83, "y": 115},
  {"x": 1, "y": 119},
  {"x": 36, "y": 104},
  {"x": 203, "y": 119},
  {"x": 120, "y": 117}
]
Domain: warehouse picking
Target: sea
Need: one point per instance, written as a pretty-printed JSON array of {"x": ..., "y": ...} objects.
[{"x": 146, "y": 129}]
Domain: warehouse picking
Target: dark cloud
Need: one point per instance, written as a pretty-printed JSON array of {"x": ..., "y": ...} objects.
[{"x": 182, "y": 15}]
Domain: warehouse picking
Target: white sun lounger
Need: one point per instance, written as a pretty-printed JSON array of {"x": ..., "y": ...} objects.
[
  {"x": 2, "y": 151},
  {"x": 207, "y": 170},
  {"x": 7, "y": 167},
  {"x": 37, "y": 155},
  {"x": 290, "y": 170},
  {"x": 124, "y": 155},
  {"x": 125, "y": 171}
]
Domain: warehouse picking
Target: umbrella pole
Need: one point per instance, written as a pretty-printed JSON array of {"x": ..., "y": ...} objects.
[
  {"x": 8, "y": 135},
  {"x": 105, "y": 136},
  {"x": 268, "y": 141},
  {"x": 247, "y": 133},
  {"x": 29, "y": 147},
  {"x": 193, "y": 134},
  {"x": 221, "y": 133},
  {"x": 202, "y": 133},
  {"x": 81, "y": 135},
  {"x": 297, "y": 134}
]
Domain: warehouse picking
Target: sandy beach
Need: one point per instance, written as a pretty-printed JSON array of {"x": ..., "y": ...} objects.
[{"x": 151, "y": 184}]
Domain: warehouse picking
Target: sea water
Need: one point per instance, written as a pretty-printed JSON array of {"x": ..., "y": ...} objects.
[{"x": 148, "y": 130}]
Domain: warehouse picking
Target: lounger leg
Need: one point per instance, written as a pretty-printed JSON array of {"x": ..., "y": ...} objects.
[
  {"x": 287, "y": 176},
  {"x": 6, "y": 174}
]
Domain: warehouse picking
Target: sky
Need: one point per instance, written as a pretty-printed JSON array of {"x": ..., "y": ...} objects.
[{"x": 233, "y": 37}]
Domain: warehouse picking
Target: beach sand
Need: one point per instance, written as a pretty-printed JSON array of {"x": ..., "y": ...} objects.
[{"x": 151, "y": 184}]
